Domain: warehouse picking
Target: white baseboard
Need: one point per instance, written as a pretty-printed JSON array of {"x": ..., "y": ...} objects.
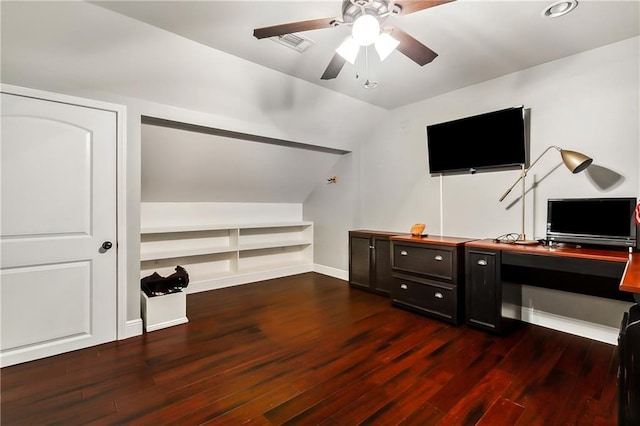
[
  {"x": 132, "y": 328},
  {"x": 332, "y": 272},
  {"x": 166, "y": 324},
  {"x": 239, "y": 279},
  {"x": 574, "y": 326}
]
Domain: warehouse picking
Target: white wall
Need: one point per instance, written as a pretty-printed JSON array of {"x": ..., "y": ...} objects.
[
  {"x": 588, "y": 102},
  {"x": 334, "y": 210}
]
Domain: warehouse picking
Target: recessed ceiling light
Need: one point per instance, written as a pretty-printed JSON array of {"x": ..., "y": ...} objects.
[{"x": 559, "y": 8}]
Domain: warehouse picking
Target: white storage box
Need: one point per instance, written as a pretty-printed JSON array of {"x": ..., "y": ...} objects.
[{"x": 163, "y": 311}]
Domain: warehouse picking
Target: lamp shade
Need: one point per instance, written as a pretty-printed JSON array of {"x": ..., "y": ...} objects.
[
  {"x": 349, "y": 50},
  {"x": 575, "y": 161},
  {"x": 385, "y": 44}
]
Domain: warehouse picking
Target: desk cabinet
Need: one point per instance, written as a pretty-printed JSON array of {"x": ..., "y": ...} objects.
[
  {"x": 496, "y": 273},
  {"x": 483, "y": 289},
  {"x": 428, "y": 276},
  {"x": 370, "y": 261},
  {"x": 492, "y": 302}
]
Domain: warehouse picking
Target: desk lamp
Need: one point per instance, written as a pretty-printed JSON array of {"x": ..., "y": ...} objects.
[{"x": 575, "y": 162}]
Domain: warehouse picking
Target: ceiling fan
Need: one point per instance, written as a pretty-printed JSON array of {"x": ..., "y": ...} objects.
[{"x": 366, "y": 18}]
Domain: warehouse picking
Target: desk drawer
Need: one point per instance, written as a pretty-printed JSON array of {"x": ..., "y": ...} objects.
[
  {"x": 437, "y": 299},
  {"x": 423, "y": 260}
]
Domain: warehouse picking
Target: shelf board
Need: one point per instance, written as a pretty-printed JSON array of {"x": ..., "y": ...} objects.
[
  {"x": 168, "y": 254},
  {"x": 213, "y": 277},
  {"x": 273, "y": 225},
  {"x": 218, "y": 227},
  {"x": 273, "y": 244},
  {"x": 274, "y": 267},
  {"x": 183, "y": 228}
]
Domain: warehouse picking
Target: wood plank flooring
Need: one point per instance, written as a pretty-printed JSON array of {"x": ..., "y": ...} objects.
[{"x": 309, "y": 350}]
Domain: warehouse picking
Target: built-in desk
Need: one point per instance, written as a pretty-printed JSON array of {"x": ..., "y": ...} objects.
[{"x": 495, "y": 273}]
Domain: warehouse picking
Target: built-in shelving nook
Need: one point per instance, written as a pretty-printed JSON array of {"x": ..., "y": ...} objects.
[
  {"x": 227, "y": 254},
  {"x": 226, "y": 206}
]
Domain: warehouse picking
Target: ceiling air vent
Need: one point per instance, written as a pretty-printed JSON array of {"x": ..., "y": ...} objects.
[{"x": 295, "y": 41}]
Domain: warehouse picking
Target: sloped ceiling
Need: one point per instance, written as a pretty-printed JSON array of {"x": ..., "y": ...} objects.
[
  {"x": 477, "y": 40},
  {"x": 187, "y": 166}
]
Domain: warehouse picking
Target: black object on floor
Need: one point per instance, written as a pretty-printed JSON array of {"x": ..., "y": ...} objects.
[{"x": 157, "y": 285}]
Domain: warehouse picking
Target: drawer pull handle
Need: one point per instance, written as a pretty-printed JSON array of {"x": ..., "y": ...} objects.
[
  {"x": 371, "y": 247},
  {"x": 439, "y": 258},
  {"x": 403, "y": 286},
  {"x": 482, "y": 262},
  {"x": 438, "y": 295},
  {"x": 403, "y": 253}
]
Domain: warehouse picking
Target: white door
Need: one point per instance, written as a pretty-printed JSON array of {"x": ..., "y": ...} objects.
[{"x": 58, "y": 194}]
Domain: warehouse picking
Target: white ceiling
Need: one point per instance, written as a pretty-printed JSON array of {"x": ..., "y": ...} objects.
[{"x": 476, "y": 40}]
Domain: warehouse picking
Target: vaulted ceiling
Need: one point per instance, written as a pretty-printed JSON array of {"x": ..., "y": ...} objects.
[{"x": 476, "y": 40}]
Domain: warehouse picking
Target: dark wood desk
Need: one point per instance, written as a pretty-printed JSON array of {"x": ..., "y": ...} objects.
[{"x": 495, "y": 273}]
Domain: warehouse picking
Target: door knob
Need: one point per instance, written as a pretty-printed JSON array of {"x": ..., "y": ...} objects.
[{"x": 107, "y": 245}]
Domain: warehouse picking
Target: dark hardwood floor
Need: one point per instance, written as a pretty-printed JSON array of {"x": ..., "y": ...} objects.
[{"x": 309, "y": 350}]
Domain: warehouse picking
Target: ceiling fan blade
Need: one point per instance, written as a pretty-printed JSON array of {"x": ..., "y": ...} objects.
[
  {"x": 412, "y": 48},
  {"x": 409, "y": 6},
  {"x": 334, "y": 67},
  {"x": 294, "y": 27}
]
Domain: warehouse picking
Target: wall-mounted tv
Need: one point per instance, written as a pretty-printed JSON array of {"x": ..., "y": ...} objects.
[
  {"x": 597, "y": 221},
  {"x": 491, "y": 140}
]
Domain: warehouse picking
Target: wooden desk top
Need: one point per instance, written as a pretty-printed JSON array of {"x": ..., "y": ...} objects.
[
  {"x": 432, "y": 239},
  {"x": 630, "y": 279},
  {"x": 374, "y": 233}
]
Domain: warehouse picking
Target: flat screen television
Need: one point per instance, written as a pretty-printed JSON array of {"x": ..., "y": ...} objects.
[
  {"x": 595, "y": 221},
  {"x": 491, "y": 140}
]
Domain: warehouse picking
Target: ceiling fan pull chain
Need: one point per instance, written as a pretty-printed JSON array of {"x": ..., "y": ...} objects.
[
  {"x": 366, "y": 60},
  {"x": 368, "y": 84}
]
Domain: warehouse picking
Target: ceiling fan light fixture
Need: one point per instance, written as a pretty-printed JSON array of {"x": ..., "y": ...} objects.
[
  {"x": 559, "y": 8},
  {"x": 366, "y": 30},
  {"x": 370, "y": 84},
  {"x": 349, "y": 49},
  {"x": 385, "y": 44}
]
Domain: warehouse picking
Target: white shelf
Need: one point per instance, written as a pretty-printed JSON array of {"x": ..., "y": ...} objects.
[
  {"x": 272, "y": 267},
  {"x": 274, "y": 244},
  {"x": 218, "y": 227},
  {"x": 170, "y": 254},
  {"x": 218, "y": 255},
  {"x": 274, "y": 225}
]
